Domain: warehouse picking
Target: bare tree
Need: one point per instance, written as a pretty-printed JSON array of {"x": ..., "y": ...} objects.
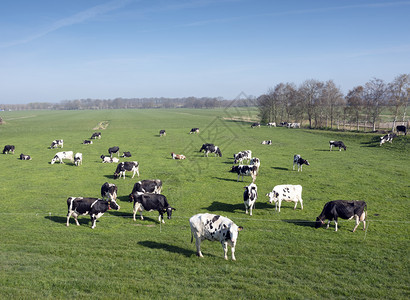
[
  {"x": 334, "y": 100},
  {"x": 398, "y": 91},
  {"x": 375, "y": 97},
  {"x": 354, "y": 100},
  {"x": 310, "y": 93}
]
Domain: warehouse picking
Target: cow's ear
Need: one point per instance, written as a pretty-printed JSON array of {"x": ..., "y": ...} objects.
[
  {"x": 240, "y": 228},
  {"x": 224, "y": 226},
  {"x": 173, "y": 208}
]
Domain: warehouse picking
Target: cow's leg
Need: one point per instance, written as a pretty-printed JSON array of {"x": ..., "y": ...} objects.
[
  {"x": 68, "y": 218},
  {"x": 93, "y": 221},
  {"x": 135, "y": 209},
  {"x": 198, "y": 246},
  {"x": 328, "y": 223},
  {"x": 225, "y": 248},
  {"x": 296, "y": 203},
  {"x": 161, "y": 218},
  {"x": 250, "y": 208},
  {"x": 335, "y": 224},
  {"x": 363, "y": 219},
  {"x": 279, "y": 203},
  {"x": 233, "y": 253},
  {"x": 357, "y": 223},
  {"x": 293, "y": 166},
  {"x": 246, "y": 208}
]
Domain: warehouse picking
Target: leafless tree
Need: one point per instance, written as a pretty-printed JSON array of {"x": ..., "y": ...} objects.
[
  {"x": 375, "y": 97},
  {"x": 355, "y": 102},
  {"x": 399, "y": 91}
]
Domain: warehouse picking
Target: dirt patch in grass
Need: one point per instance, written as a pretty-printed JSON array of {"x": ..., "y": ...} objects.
[{"x": 101, "y": 125}]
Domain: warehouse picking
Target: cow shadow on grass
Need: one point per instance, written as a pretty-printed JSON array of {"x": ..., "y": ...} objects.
[
  {"x": 227, "y": 207},
  {"x": 167, "y": 247},
  {"x": 299, "y": 222},
  {"x": 85, "y": 220},
  {"x": 226, "y": 179},
  {"x": 281, "y": 168},
  {"x": 127, "y": 215}
]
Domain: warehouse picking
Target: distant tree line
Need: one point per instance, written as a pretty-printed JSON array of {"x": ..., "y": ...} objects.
[{"x": 323, "y": 105}]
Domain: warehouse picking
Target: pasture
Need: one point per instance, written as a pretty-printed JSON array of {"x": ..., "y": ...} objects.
[{"x": 279, "y": 255}]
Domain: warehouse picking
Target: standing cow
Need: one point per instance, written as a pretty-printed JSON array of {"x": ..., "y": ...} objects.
[
  {"x": 147, "y": 186},
  {"x": 249, "y": 197},
  {"x": 78, "y": 159},
  {"x": 109, "y": 191},
  {"x": 114, "y": 150},
  {"x": 57, "y": 143},
  {"x": 286, "y": 192},
  {"x": 63, "y": 155},
  {"x": 299, "y": 161},
  {"x": 150, "y": 202},
  {"x": 345, "y": 210},
  {"x": 9, "y": 148},
  {"x": 214, "y": 228},
  {"x": 130, "y": 166},
  {"x": 339, "y": 144}
]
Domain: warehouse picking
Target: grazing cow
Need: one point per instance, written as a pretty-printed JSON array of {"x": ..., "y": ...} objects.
[
  {"x": 107, "y": 159},
  {"x": 177, "y": 156},
  {"x": 96, "y": 135},
  {"x": 245, "y": 170},
  {"x": 293, "y": 125},
  {"x": 387, "y": 138},
  {"x": 286, "y": 193},
  {"x": 109, "y": 191},
  {"x": 78, "y": 159},
  {"x": 63, "y": 155},
  {"x": 337, "y": 144},
  {"x": 345, "y": 210},
  {"x": 211, "y": 148},
  {"x": 88, "y": 206},
  {"x": 150, "y": 202},
  {"x": 87, "y": 142},
  {"x": 147, "y": 186},
  {"x": 194, "y": 130},
  {"x": 130, "y": 166},
  {"x": 283, "y": 124},
  {"x": 126, "y": 154},
  {"x": 25, "y": 157},
  {"x": 214, "y": 228},
  {"x": 271, "y": 124},
  {"x": 255, "y": 125},
  {"x": 249, "y": 197},
  {"x": 401, "y": 128},
  {"x": 268, "y": 142},
  {"x": 299, "y": 161},
  {"x": 8, "y": 148},
  {"x": 241, "y": 156},
  {"x": 162, "y": 132},
  {"x": 57, "y": 143},
  {"x": 114, "y": 150}
]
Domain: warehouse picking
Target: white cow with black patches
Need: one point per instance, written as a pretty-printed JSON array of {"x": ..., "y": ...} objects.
[
  {"x": 214, "y": 228},
  {"x": 286, "y": 192}
]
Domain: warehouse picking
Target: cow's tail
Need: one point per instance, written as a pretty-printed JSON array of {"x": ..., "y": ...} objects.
[{"x": 192, "y": 237}]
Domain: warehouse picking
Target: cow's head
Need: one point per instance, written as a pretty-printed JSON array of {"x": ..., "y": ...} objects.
[
  {"x": 232, "y": 233},
  {"x": 234, "y": 169},
  {"x": 318, "y": 222},
  {"x": 252, "y": 191},
  {"x": 169, "y": 211},
  {"x": 54, "y": 159},
  {"x": 219, "y": 152},
  {"x": 113, "y": 204},
  {"x": 273, "y": 196},
  {"x": 116, "y": 175}
]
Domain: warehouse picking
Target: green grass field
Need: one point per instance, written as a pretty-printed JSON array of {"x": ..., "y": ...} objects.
[{"x": 279, "y": 255}]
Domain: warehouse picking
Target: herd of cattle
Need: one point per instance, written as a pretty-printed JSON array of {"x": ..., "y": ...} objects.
[{"x": 146, "y": 194}]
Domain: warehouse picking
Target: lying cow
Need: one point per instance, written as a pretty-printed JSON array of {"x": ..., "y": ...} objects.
[
  {"x": 345, "y": 210},
  {"x": 249, "y": 197},
  {"x": 109, "y": 191},
  {"x": 177, "y": 156},
  {"x": 96, "y": 135},
  {"x": 130, "y": 166},
  {"x": 88, "y": 206},
  {"x": 194, "y": 130},
  {"x": 214, "y": 228},
  {"x": 57, "y": 143},
  {"x": 114, "y": 150},
  {"x": 78, "y": 159},
  {"x": 87, "y": 142},
  {"x": 245, "y": 170},
  {"x": 401, "y": 128},
  {"x": 63, "y": 155},
  {"x": 126, "y": 154},
  {"x": 211, "y": 148},
  {"x": 268, "y": 142},
  {"x": 9, "y": 148},
  {"x": 299, "y": 161},
  {"x": 25, "y": 157},
  {"x": 147, "y": 186},
  {"x": 240, "y": 157},
  {"x": 162, "y": 132},
  {"x": 107, "y": 159},
  {"x": 337, "y": 144},
  {"x": 150, "y": 202},
  {"x": 255, "y": 125},
  {"x": 387, "y": 138},
  {"x": 288, "y": 193}
]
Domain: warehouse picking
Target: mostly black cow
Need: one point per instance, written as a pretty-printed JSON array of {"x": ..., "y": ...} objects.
[
  {"x": 126, "y": 154},
  {"x": 109, "y": 191},
  {"x": 96, "y": 135},
  {"x": 162, "y": 132},
  {"x": 25, "y": 157},
  {"x": 130, "y": 166},
  {"x": 88, "y": 206},
  {"x": 87, "y": 142},
  {"x": 299, "y": 161},
  {"x": 345, "y": 210},
  {"x": 245, "y": 170},
  {"x": 150, "y": 202},
  {"x": 214, "y": 228},
  {"x": 194, "y": 130},
  {"x": 401, "y": 128},
  {"x": 339, "y": 144},
  {"x": 256, "y": 125},
  {"x": 9, "y": 149},
  {"x": 114, "y": 150},
  {"x": 147, "y": 186},
  {"x": 211, "y": 148}
]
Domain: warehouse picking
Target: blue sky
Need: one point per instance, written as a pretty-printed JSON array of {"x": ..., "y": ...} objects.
[{"x": 76, "y": 49}]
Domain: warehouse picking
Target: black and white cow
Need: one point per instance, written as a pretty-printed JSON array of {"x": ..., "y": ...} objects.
[
  {"x": 87, "y": 142},
  {"x": 9, "y": 148},
  {"x": 130, "y": 166},
  {"x": 270, "y": 124},
  {"x": 299, "y": 161},
  {"x": 255, "y": 162},
  {"x": 214, "y": 228},
  {"x": 162, "y": 132},
  {"x": 268, "y": 142},
  {"x": 126, "y": 154},
  {"x": 78, "y": 159},
  {"x": 255, "y": 125},
  {"x": 63, "y": 155},
  {"x": 337, "y": 144},
  {"x": 245, "y": 170},
  {"x": 57, "y": 143},
  {"x": 109, "y": 191},
  {"x": 211, "y": 148},
  {"x": 241, "y": 156},
  {"x": 293, "y": 125},
  {"x": 150, "y": 202},
  {"x": 96, "y": 135},
  {"x": 114, "y": 150},
  {"x": 25, "y": 157},
  {"x": 249, "y": 197},
  {"x": 401, "y": 128},
  {"x": 194, "y": 130},
  {"x": 387, "y": 138},
  {"x": 107, "y": 159},
  {"x": 147, "y": 186},
  {"x": 286, "y": 192},
  {"x": 345, "y": 210},
  {"x": 88, "y": 206}
]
